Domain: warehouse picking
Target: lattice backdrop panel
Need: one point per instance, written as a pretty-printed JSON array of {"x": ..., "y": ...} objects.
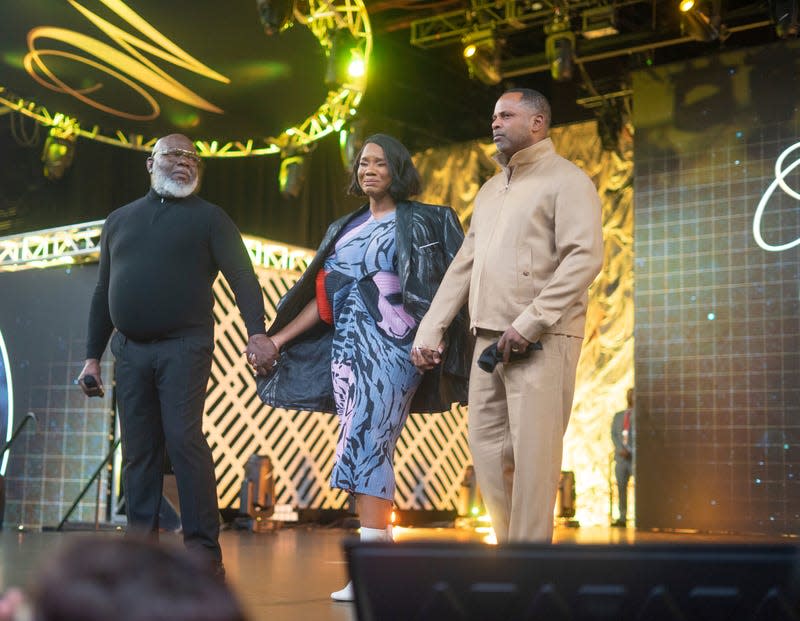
[{"x": 431, "y": 457}]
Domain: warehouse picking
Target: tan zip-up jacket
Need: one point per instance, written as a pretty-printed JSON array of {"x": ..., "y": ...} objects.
[{"x": 534, "y": 246}]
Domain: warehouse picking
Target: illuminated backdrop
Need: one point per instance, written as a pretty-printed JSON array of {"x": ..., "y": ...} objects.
[{"x": 718, "y": 293}]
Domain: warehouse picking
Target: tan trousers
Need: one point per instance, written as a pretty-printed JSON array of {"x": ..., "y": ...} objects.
[{"x": 517, "y": 418}]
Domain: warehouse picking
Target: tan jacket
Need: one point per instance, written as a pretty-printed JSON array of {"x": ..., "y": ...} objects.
[{"x": 534, "y": 246}]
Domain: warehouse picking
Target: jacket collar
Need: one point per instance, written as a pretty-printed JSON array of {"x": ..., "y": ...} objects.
[{"x": 528, "y": 155}]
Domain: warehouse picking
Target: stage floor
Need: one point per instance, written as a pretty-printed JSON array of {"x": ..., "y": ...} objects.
[{"x": 289, "y": 573}]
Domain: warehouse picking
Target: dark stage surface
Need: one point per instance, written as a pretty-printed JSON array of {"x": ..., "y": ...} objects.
[{"x": 288, "y": 574}]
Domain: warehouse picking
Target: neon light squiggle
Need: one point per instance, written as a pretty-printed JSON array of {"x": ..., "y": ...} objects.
[
  {"x": 130, "y": 61},
  {"x": 10, "y": 388},
  {"x": 780, "y": 176}
]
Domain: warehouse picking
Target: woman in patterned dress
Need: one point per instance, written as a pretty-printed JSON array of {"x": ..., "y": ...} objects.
[{"x": 355, "y": 312}]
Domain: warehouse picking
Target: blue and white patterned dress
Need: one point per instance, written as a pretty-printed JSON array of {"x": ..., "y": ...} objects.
[{"x": 373, "y": 377}]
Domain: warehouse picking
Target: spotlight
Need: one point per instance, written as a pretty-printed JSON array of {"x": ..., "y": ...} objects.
[
  {"x": 701, "y": 24},
  {"x": 345, "y": 59},
  {"x": 698, "y": 26},
  {"x": 292, "y": 176},
  {"x": 559, "y": 49},
  {"x": 482, "y": 56},
  {"x": 57, "y": 154},
  {"x": 350, "y": 142},
  {"x": 599, "y": 22},
  {"x": 786, "y": 16},
  {"x": 276, "y": 15}
]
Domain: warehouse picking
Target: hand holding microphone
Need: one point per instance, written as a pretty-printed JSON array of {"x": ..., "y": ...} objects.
[
  {"x": 89, "y": 380},
  {"x": 90, "y": 386}
]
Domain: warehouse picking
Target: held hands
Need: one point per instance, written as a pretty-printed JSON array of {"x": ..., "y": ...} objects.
[
  {"x": 89, "y": 380},
  {"x": 511, "y": 341},
  {"x": 425, "y": 358},
  {"x": 262, "y": 354}
]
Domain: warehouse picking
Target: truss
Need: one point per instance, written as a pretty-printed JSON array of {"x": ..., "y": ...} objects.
[
  {"x": 450, "y": 27},
  {"x": 80, "y": 243}
]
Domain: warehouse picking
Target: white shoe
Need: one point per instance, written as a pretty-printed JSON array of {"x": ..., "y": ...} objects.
[
  {"x": 367, "y": 534},
  {"x": 345, "y": 595}
]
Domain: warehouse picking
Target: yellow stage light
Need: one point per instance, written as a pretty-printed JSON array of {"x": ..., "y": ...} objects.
[
  {"x": 357, "y": 68},
  {"x": 702, "y": 21},
  {"x": 482, "y": 56},
  {"x": 58, "y": 153},
  {"x": 292, "y": 176},
  {"x": 344, "y": 60},
  {"x": 559, "y": 48}
]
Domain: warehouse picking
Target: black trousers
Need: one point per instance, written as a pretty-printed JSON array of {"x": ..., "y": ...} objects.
[{"x": 161, "y": 389}]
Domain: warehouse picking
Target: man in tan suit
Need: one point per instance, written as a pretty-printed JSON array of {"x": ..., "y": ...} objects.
[{"x": 534, "y": 246}]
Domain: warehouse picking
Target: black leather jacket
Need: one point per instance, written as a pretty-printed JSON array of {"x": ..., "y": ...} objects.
[{"x": 427, "y": 238}]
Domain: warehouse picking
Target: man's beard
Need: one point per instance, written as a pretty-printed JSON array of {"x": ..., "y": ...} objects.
[{"x": 164, "y": 186}]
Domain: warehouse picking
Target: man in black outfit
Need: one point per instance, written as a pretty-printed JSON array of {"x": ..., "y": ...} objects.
[
  {"x": 622, "y": 431},
  {"x": 159, "y": 258}
]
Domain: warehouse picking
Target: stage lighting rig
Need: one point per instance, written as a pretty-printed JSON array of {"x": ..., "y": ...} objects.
[
  {"x": 276, "y": 15},
  {"x": 482, "y": 56},
  {"x": 702, "y": 22},
  {"x": 346, "y": 63},
  {"x": 559, "y": 48},
  {"x": 58, "y": 153},
  {"x": 599, "y": 22},
  {"x": 292, "y": 175},
  {"x": 351, "y": 140}
]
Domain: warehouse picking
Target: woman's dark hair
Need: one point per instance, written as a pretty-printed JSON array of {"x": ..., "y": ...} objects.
[{"x": 405, "y": 178}]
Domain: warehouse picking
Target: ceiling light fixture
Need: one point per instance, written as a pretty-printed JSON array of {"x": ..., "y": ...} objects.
[
  {"x": 58, "y": 153},
  {"x": 292, "y": 176},
  {"x": 482, "y": 56},
  {"x": 701, "y": 22},
  {"x": 559, "y": 48},
  {"x": 276, "y": 15},
  {"x": 345, "y": 61},
  {"x": 599, "y": 22}
]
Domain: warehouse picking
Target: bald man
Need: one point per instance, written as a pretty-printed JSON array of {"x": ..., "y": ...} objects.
[{"x": 159, "y": 257}]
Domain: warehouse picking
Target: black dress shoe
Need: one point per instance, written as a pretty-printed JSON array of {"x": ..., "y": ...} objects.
[
  {"x": 218, "y": 570},
  {"x": 618, "y": 523}
]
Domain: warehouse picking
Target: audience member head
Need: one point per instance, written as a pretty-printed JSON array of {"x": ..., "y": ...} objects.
[
  {"x": 105, "y": 578},
  {"x": 405, "y": 178}
]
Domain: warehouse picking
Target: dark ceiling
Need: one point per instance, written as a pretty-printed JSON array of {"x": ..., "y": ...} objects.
[{"x": 427, "y": 86}]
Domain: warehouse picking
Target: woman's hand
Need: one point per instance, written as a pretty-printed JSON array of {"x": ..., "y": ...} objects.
[
  {"x": 425, "y": 358},
  {"x": 262, "y": 354}
]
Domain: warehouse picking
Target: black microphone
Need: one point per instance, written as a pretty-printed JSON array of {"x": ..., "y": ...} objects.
[{"x": 92, "y": 386}]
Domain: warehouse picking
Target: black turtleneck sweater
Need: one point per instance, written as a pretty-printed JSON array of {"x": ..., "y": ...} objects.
[{"x": 159, "y": 258}]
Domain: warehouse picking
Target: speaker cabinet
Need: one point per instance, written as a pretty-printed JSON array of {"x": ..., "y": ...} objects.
[{"x": 474, "y": 582}]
